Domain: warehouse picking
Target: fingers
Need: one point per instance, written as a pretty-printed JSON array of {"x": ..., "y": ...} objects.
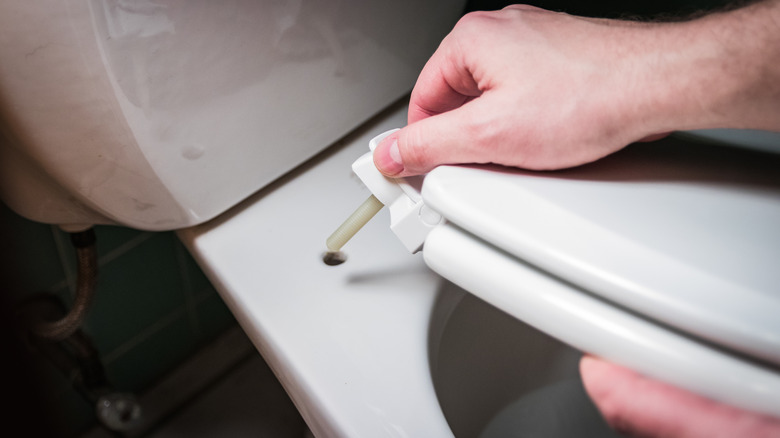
[
  {"x": 639, "y": 406},
  {"x": 435, "y": 113},
  {"x": 442, "y": 108},
  {"x": 457, "y": 136},
  {"x": 444, "y": 84},
  {"x": 421, "y": 146}
]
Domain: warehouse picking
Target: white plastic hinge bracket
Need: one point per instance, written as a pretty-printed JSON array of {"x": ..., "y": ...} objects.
[{"x": 410, "y": 219}]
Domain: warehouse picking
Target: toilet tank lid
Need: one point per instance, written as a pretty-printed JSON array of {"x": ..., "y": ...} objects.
[{"x": 684, "y": 233}]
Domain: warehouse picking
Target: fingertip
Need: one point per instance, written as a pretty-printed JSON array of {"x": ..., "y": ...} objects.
[
  {"x": 421, "y": 146},
  {"x": 387, "y": 157},
  {"x": 602, "y": 378},
  {"x": 605, "y": 385},
  {"x": 586, "y": 365},
  {"x": 591, "y": 365},
  {"x": 594, "y": 373}
]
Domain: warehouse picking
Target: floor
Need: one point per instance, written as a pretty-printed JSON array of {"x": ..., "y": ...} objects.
[
  {"x": 226, "y": 390},
  {"x": 248, "y": 402}
]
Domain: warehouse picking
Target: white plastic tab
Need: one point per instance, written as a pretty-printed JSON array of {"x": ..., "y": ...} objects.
[{"x": 410, "y": 219}]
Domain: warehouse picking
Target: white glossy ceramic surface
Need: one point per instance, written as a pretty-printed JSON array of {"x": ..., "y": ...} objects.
[
  {"x": 498, "y": 377},
  {"x": 162, "y": 114},
  {"x": 348, "y": 342},
  {"x": 380, "y": 346}
]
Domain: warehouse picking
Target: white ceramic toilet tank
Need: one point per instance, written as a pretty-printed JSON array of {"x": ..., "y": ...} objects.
[{"x": 161, "y": 114}]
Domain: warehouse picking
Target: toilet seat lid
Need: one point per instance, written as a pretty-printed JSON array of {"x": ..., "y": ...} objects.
[{"x": 685, "y": 234}]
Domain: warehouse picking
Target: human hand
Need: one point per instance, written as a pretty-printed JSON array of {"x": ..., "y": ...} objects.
[
  {"x": 521, "y": 87},
  {"x": 530, "y": 88},
  {"x": 638, "y": 406}
]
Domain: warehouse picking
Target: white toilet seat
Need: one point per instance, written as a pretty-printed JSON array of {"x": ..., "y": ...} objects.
[
  {"x": 661, "y": 257},
  {"x": 596, "y": 326}
]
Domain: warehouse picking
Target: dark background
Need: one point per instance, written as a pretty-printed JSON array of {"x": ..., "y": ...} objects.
[{"x": 643, "y": 9}]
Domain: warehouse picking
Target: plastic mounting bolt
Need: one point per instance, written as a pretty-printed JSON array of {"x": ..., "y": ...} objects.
[{"x": 410, "y": 219}]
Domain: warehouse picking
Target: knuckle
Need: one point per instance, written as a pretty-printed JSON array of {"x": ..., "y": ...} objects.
[
  {"x": 475, "y": 20},
  {"x": 472, "y": 18},
  {"x": 511, "y": 11},
  {"x": 519, "y": 9}
]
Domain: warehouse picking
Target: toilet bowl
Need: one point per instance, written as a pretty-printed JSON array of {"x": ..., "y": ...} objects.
[
  {"x": 498, "y": 377},
  {"x": 379, "y": 345}
]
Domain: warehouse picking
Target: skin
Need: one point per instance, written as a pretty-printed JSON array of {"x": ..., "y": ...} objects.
[
  {"x": 641, "y": 407},
  {"x": 539, "y": 90}
]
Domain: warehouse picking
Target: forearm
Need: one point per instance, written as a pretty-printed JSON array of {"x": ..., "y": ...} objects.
[{"x": 719, "y": 71}]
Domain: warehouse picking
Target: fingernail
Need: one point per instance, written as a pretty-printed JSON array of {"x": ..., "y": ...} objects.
[{"x": 387, "y": 158}]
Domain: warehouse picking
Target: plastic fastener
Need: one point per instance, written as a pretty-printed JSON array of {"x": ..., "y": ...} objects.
[{"x": 410, "y": 219}]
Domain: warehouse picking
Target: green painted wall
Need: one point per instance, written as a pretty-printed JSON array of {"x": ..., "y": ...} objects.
[{"x": 152, "y": 310}]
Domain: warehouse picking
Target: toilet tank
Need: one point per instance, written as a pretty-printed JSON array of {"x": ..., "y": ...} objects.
[{"x": 161, "y": 114}]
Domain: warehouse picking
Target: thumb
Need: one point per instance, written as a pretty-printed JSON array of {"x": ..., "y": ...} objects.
[{"x": 419, "y": 147}]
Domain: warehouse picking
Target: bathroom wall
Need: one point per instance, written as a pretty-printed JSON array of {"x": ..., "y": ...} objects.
[
  {"x": 153, "y": 307},
  {"x": 637, "y": 9}
]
